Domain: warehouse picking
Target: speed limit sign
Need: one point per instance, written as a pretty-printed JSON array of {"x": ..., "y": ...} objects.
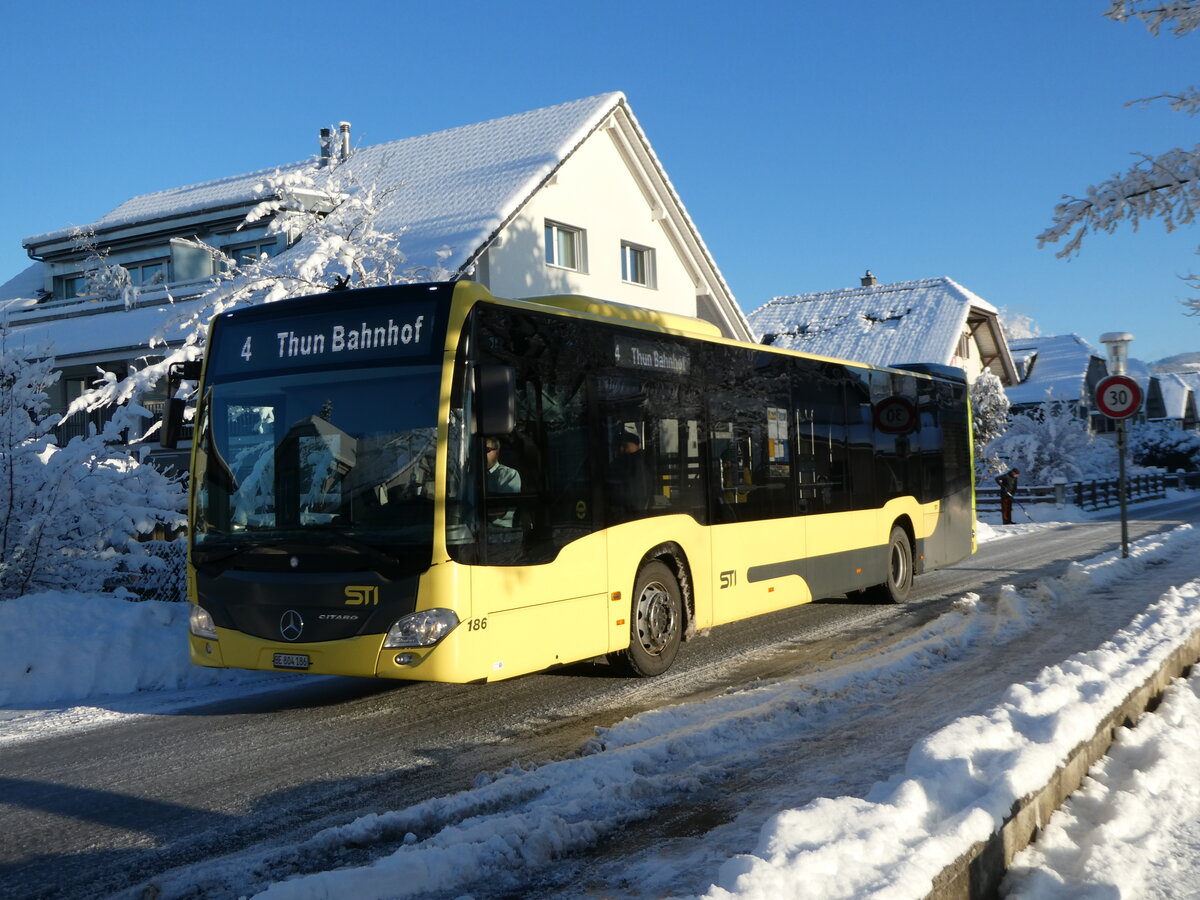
[
  {"x": 895, "y": 415},
  {"x": 1118, "y": 396}
]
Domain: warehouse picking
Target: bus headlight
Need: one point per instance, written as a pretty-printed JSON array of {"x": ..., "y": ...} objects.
[
  {"x": 421, "y": 629},
  {"x": 200, "y": 623}
]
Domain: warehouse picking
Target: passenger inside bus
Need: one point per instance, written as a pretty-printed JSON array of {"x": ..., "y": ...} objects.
[{"x": 629, "y": 482}]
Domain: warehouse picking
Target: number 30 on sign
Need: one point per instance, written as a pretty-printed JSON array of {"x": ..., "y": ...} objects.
[{"x": 1118, "y": 396}]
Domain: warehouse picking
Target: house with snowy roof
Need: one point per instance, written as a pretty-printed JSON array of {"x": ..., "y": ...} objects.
[
  {"x": 1181, "y": 396},
  {"x": 1066, "y": 369},
  {"x": 935, "y": 320},
  {"x": 1061, "y": 369},
  {"x": 565, "y": 199}
]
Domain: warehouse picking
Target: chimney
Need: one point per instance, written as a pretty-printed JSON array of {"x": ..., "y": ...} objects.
[
  {"x": 344, "y": 151},
  {"x": 326, "y": 147},
  {"x": 869, "y": 279}
]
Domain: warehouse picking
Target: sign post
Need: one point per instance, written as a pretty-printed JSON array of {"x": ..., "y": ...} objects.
[{"x": 1119, "y": 397}]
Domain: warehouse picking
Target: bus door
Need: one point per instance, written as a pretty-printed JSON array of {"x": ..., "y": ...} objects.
[
  {"x": 823, "y": 472},
  {"x": 758, "y": 543},
  {"x": 541, "y": 579},
  {"x": 653, "y": 464},
  {"x": 651, "y": 428}
]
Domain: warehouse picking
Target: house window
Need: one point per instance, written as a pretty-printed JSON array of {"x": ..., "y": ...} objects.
[
  {"x": 245, "y": 254},
  {"x": 964, "y": 346},
  {"x": 565, "y": 247},
  {"x": 637, "y": 264},
  {"x": 147, "y": 274},
  {"x": 71, "y": 286}
]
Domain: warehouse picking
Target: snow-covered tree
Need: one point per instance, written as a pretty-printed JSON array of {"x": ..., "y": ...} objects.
[
  {"x": 1164, "y": 186},
  {"x": 989, "y": 419},
  {"x": 1053, "y": 442},
  {"x": 328, "y": 213},
  {"x": 105, "y": 280},
  {"x": 1165, "y": 447},
  {"x": 69, "y": 517}
]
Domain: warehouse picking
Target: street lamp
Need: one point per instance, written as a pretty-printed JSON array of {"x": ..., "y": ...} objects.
[{"x": 1117, "y": 343}]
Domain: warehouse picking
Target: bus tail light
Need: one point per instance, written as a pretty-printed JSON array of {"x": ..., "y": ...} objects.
[
  {"x": 421, "y": 629},
  {"x": 200, "y": 623}
]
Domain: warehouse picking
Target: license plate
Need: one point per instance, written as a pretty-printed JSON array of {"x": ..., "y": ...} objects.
[{"x": 291, "y": 661}]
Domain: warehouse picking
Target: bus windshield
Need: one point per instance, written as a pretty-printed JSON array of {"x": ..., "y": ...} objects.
[{"x": 327, "y": 459}]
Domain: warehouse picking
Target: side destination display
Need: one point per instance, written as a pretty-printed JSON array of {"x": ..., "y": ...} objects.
[{"x": 259, "y": 345}]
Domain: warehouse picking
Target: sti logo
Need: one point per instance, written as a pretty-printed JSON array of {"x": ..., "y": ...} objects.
[{"x": 362, "y": 595}]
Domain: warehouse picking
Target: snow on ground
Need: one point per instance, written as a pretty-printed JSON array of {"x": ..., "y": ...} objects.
[
  {"x": 955, "y": 788},
  {"x": 891, "y": 839},
  {"x": 1133, "y": 829}
]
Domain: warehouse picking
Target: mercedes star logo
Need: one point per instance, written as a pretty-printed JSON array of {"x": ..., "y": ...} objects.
[{"x": 291, "y": 625}]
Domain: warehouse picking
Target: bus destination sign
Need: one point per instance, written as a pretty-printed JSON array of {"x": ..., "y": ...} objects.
[
  {"x": 344, "y": 337},
  {"x": 639, "y": 354}
]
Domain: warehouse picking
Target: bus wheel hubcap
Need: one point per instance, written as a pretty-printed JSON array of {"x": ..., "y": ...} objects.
[
  {"x": 899, "y": 567},
  {"x": 656, "y": 618}
]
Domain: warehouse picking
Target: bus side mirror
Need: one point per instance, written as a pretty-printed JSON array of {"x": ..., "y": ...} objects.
[
  {"x": 496, "y": 399},
  {"x": 172, "y": 421}
]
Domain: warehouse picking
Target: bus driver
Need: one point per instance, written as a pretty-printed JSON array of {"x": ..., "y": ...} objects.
[{"x": 501, "y": 479}]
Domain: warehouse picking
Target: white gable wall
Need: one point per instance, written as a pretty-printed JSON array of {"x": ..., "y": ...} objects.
[
  {"x": 972, "y": 364},
  {"x": 596, "y": 191}
]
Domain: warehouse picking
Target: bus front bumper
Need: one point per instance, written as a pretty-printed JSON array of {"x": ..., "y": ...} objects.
[{"x": 363, "y": 656}]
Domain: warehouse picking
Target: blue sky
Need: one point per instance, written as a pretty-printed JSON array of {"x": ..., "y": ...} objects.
[{"x": 809, "y": 141}]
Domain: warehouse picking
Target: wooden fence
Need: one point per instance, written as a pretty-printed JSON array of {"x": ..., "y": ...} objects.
[{"x": 1096, "y": 494}]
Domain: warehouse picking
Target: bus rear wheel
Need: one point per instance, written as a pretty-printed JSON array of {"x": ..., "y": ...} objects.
[
  {"x": 655, "y": 624},
  {"x": 899, "y": 571}
]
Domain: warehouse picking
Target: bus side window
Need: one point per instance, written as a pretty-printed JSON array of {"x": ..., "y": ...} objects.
[
  {"x": 752, "y": 478},
  {"x": 821, "y": 452},
  {"x": 678, "y": 474},
  {"x": 652, "y": 429}
]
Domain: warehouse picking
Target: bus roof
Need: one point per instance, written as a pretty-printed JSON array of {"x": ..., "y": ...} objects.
[
  {"x": 626, "y": 313},
  {"x": 634, "y": 315}
]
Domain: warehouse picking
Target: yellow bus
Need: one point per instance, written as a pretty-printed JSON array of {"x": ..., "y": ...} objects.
[{"x": 428, "y": 482}]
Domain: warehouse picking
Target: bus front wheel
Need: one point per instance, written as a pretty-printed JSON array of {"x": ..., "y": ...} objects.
[
  {"x": 899, "y": 571},
  {"x": 655, "y": 625}
]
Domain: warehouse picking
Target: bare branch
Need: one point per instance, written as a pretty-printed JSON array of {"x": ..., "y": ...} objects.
[
  {"x": 1181, "y": 15},
  {"x": 1187, "y": 102}
]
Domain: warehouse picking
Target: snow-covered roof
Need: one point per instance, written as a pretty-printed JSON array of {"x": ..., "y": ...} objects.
[
  {"x": 233, "y": 191},
  {"x": 95, "y": 334},
  {"x": 1140, "y": 372},
  {"x": 448, "y": 191},
  {"x": 1178, "y": 393},
  {"x": 1191, "y": 379},
  {"x": 883, "y": 324},
  {"x": 1058, "y": 365}
]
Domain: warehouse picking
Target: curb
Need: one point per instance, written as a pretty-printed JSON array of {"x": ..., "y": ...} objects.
[{"x": 978, "y": 872}]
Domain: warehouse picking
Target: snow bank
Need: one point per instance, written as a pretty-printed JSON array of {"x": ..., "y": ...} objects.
[{"x": 61, "y": 646}]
